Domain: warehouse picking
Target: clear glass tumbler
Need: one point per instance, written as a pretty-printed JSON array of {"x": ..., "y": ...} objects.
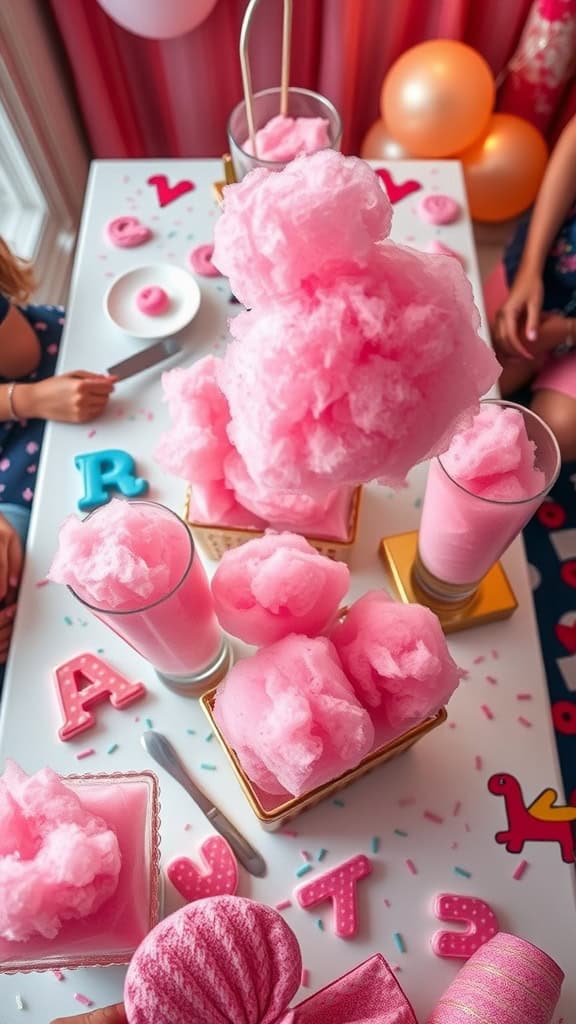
[
  {"x": 301, "y": 103},
  {"x": 462, "y": 534},
  {"x": 178, "y": 633}
]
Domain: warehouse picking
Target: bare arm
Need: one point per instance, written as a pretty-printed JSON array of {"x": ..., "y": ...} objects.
[{"x": 19, "y": 346}]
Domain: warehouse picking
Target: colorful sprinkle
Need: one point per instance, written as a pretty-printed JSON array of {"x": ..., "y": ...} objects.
[
  {"x": 289, "y": 832},
  {"x": 456, "y": 809},
  {"x": 436, "y": 818},
  {"x": 148, "y": 723},
  {"x": 375, "y": 844},
  {"x": 406, "y": 801},
  {"x": 523, "y": 696},
  {"x": 492, "y": 680},
  {"x": 191, "y": 732},
  {"x": 284, "y": 904},
  {"x": 320, "y": 924},
  {"x": 478, "y": 763},
  {"x": 411, "y": 866},
  {"x": 112, "y": 748},
  {"x": 68, "y": 620},
  {"x": 524, "y": 721},
  {"x": 305, "y": 978},
  {"x": 462, "y": 872},
  {"x": 58, "y": 975},
  {"x": 339, "y": 803},
  {"x": 519, "y": 871},
  {"x": 208, "y": 767},
  {"x": 19, "y": 1002},
  {"x": 83, "y": 999},
  {"x": 479, "y": 660},
  {"x": 495, "y": 655},
  {"x": 91, "y": 433},
  {"x": 322, "y": 853},
  {"x": 303, "y": 870},
  {"x": 399, "y": 832},
  {"x": 85, "y": 753},
  {"x": 209, "y": 737},
  {"x": 42, "y": 583},
  {"x": 305, "y": 855},
  {"x": 387, "y": 903},
  {"x": 400, "y": 944},
  {"x": 487, "y": 711}
]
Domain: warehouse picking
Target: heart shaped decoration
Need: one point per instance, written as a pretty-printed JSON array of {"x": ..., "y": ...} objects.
[
  {"x": 217, "y": 874},
  {"x": 396, "y": 192},
  {"x": 127, "y": 232},
  {"x": 168, "y": 193}
]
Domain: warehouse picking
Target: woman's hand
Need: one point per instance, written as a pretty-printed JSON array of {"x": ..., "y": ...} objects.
[
  {"x": 76, "y": 397},
  {"x": 517, "y": 321},
  {"x": 109, "y": 1015}
]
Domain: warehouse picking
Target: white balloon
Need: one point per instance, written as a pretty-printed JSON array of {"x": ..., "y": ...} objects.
[{"x": 158, "y": 19}]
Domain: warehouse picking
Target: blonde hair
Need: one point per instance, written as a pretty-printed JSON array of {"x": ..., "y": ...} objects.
[{"x": 16, "y": 275}]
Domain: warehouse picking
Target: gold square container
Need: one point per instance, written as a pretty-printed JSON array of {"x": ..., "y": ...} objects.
[
  {"x": 215, "y": 540},
  {"x": 273, "y": 815}
]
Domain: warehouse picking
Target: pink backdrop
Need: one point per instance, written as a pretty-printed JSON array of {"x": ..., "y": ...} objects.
[{"x": 171, "y": 98}]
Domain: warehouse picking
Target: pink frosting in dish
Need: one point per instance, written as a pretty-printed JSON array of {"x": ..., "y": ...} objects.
[{"x": 152, "y": 300}]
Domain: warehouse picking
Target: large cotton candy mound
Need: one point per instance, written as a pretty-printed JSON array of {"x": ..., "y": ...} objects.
[
  {"x": 197, "y": 443},
  {"x": 283, "y": 138},
  {"x": 58, "y": 862},
  {"x": 123, "y": 558},
  {"x": 396, "y": 658},
  {"x": 279, "y": 232},
  {"x": 277, "y": 585},
  {"x": 290, "y": 714},
  {"x": 494, "y": 458},
  {"x": 223, "y": 960}
]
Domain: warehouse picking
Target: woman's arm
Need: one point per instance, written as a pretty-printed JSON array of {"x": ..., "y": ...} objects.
[{"x": 19, "y": 347}]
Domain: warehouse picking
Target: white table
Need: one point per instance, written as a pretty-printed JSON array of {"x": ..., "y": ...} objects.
[{"x": 436, "y": 775}]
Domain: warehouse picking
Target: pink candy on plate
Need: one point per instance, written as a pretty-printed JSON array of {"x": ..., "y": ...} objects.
[
  {"x": 152, "y": 300},
  {"x": 283, "y": 138},
  {"x": 438, "y": 209},
  {"x": 58, "y": 861},
  {"x": 290, "y": 714},
  {"x": 494, "y": 457},
  {"x": 277, "y": 585},
  {"x": 396, "y": 658}
]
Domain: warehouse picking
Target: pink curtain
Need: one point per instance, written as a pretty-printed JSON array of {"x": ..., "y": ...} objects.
[{"x": 172, "y": 98}]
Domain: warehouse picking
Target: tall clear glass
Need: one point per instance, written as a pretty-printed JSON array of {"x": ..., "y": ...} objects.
[
  {"x": 178, "y": 633},
  {"x": 301, "y": 103},
  {"x": 462, "y": 534}
]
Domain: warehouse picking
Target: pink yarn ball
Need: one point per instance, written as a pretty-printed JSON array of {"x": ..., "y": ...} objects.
[
  {"x": 222, "y": 960},
  {"x": 276, "y": 585}
]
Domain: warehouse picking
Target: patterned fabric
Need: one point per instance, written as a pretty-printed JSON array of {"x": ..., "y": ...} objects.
[
  {"x": 550, "y": 539},
  {"x": 20, "y": 442},
  {"x": 559, "y": 276}
]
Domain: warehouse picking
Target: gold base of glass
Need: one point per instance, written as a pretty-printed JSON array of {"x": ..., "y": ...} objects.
[{"x": 493, "y": 600}]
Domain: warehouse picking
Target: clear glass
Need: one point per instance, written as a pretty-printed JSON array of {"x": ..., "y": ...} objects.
[
  {"x": 129, "y": 803},
  {"x": 301, "y": 103},
  {"x": 179, "y": 633},
  {"x": 461, "y": 534}
]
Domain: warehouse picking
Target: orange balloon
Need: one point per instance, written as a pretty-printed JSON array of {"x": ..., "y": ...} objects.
[
  {"x": 437, "y": 98},
  {"x": 378, "y": 144},
  {"x": 503, "y": 170}
]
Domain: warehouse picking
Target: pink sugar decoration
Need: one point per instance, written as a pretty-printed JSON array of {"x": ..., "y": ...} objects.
[
  {"x": 479, "y": 660},
  {"x": 457, "y": 807},
  {"x": 492, "y": 680},
  {"x": 85, "y": 753},
  {"x": 487, "y": 711},
  {"x": 91, "y": 433},
  {"x": 467, "y": 827},
  {"x": 58, "y": 975},
  {"x": 387, "y": 903},
  {"x": 305, "y": 978},
  {"x": 396, "y": 657},
  {"x": 411, "y": 866},
  {"x": 42, "y": 583},
  {"x": 478, "y": 763},
  {"x": 276, "y": 585},
  {"x": 290, "y": 832},
  {"x": 495, "y": 654},
  {"x": 283, "y": 905},
  {"x": 454, "y": 845},
  {"x": 432, "y": 816},
  {"x": 83, "y": 1000},
  {"x": 406, "y": 801},
  {"x": 519, "y": 871},
  {"x": 305, "y": 855},
  {"x": 291, "y": 716},
  {"x": 523, "y": 696},
  {"x": 524, "y": 721}
]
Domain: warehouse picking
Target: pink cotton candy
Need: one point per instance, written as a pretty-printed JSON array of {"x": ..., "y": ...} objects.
[
  {"x": 277, "y": 585},
  {"x": 120, "y": 559},
  {"x": 279, "y": 232},
  {"x": 494, "y": 457},
  {"x": 290, "y": 714},
  {"x": 197, "y": 443},
  {"x": 58, "y": 862},
  {"x": 283, "y": 138},
  {"x": 396, "y": 658},
  {"x": 360, "y": 381}
]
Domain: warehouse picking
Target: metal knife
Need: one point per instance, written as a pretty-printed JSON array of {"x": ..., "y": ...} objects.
[
  {"x": 143, "y": 360},
  {"x": 161, "y": 750}
]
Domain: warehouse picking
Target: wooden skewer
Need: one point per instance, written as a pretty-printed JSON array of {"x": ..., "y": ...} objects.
[
  {"x": 246, "y": 75},
  {"x": 286, "y": 51}
]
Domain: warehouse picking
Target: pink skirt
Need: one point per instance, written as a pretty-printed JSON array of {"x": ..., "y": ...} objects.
[{"x": 559, "y": 374}]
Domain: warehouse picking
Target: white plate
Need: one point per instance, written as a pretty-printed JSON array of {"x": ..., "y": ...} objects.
[{"x": 180, "y": 286}]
